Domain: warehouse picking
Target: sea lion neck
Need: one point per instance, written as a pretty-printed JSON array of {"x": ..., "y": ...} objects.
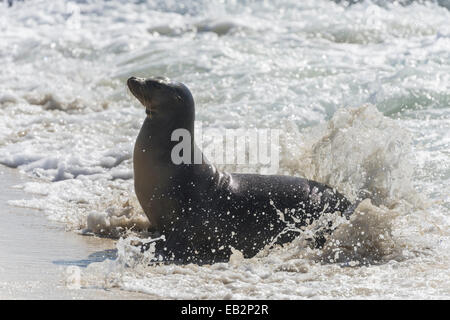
[
  {"x": 158, "y": 139},
  {"x": 158, "y": 127}
]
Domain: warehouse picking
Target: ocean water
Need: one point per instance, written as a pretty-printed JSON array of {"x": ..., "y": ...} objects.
[{"x": 361, "y": 94}]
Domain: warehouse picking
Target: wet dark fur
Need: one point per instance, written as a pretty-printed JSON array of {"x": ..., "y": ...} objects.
[{"x": 203, "y": 212}]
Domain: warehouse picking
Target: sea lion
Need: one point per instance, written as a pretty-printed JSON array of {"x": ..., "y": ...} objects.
[{"x": 204, "y": 212}]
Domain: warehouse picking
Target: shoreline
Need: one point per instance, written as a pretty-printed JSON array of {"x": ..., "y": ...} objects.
[{"x": 35, "y": 252}]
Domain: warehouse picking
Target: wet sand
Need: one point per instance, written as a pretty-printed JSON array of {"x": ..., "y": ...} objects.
[{"x": 35, "y": 252}]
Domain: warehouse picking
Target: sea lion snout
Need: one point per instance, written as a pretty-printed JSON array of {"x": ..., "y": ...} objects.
[
  {"x": 131, "y": 80},
  {"x": 133, "y": 83},
  {"x": 139, "y": 88}
]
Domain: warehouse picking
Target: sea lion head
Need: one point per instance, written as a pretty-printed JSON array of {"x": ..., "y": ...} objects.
[{"x": 166, "y": 101}]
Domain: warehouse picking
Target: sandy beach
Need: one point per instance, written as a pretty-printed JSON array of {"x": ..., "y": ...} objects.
[{"x": 35, "y": 253}]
